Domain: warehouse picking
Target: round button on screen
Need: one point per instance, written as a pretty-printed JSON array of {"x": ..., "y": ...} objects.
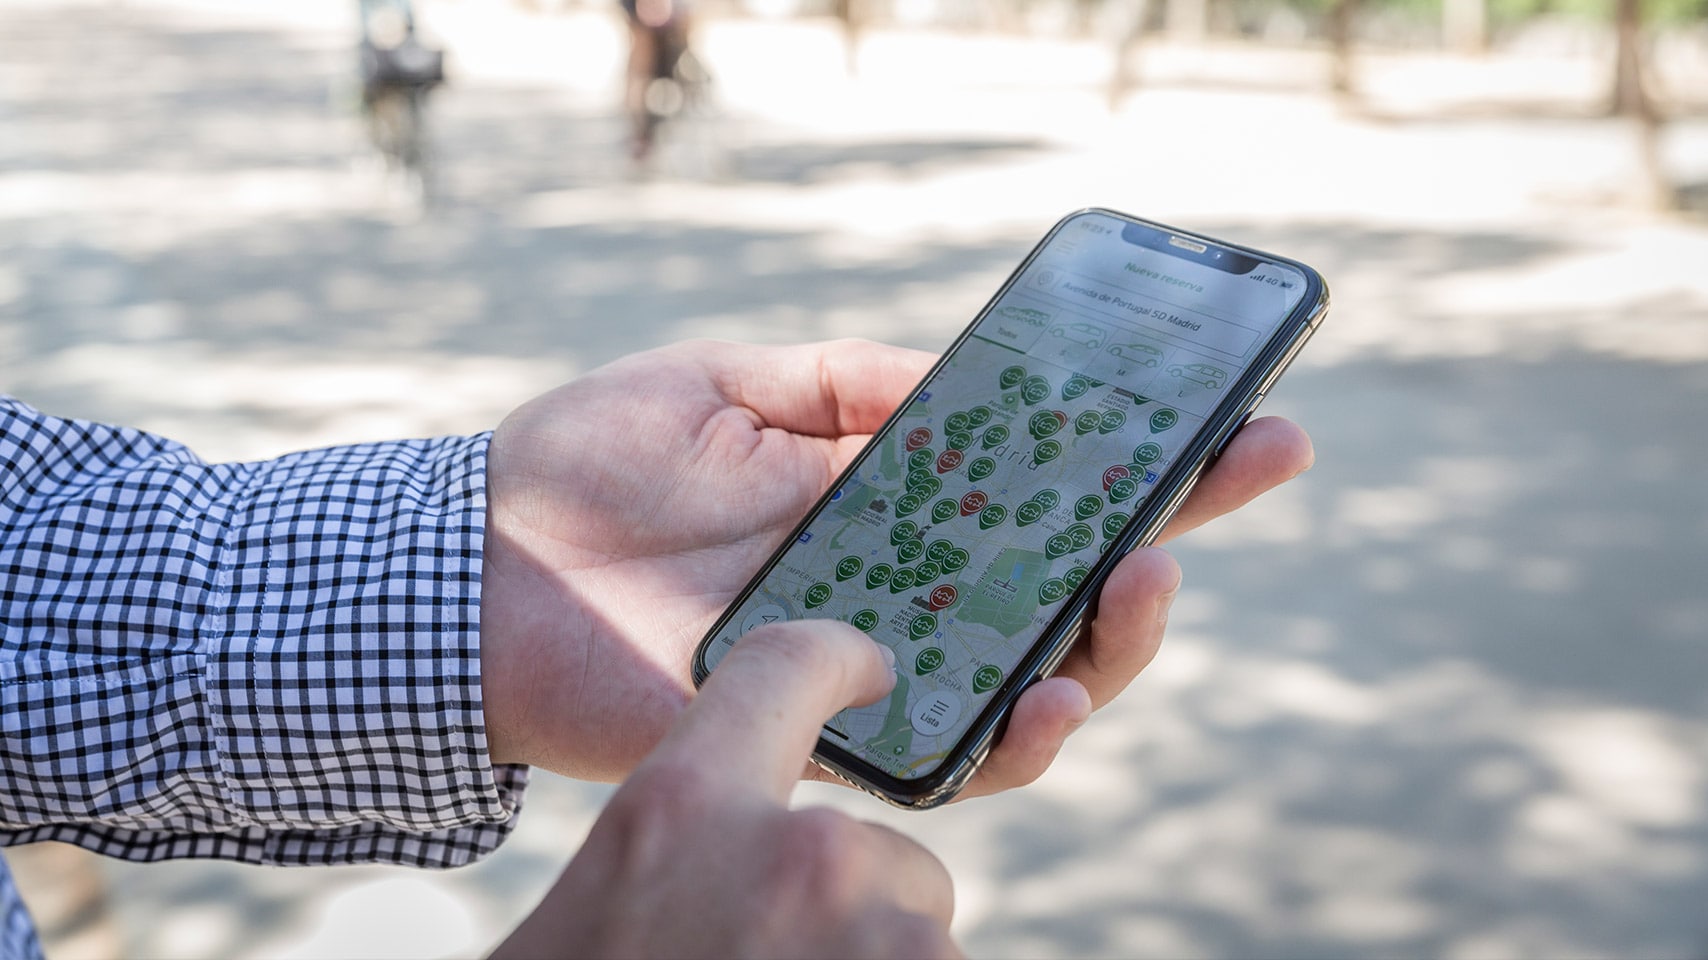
[
  {"x": 936, "y": 713},
  {"x": 769, "y": 613}
]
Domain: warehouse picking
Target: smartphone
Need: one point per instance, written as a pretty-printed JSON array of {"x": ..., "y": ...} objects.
[{"x": 1061, "y": 430}]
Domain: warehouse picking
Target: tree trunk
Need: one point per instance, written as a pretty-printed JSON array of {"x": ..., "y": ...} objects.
[
  {"x": 1631, "y": 98},
  {"x": 1187, "y": 20},
  {"x": 1465, "y": 25},
  {"x": 1341, "y": 19},
  {"x": 1630, "y": 95},
  {"x": 1127, "y": 30},
  {"x": 853, "y": 17}
]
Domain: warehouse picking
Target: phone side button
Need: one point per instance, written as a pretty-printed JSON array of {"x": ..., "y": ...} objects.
[
  {"x": 1238, "y": 426},
  {"x": 1173, "y": 506},
  {"x": 1049, "y": 667}
]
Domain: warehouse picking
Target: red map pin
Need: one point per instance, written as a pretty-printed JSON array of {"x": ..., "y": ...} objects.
[
  {"x": 950, "y": 459},
  {"x": 973, "y": 502},
  {"x": 1117, "y": 472},
  {"x": 944, "y": 595},
  {"x": 918, "y": 437}
]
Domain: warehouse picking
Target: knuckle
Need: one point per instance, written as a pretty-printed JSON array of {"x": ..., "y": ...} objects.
[
  {"x": 657, "y": 804},
  {"x": 823, "y": 836},
  {"x": 822, "y": 858}
]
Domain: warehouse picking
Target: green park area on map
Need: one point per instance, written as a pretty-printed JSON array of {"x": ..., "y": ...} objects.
[{"x": 1006, "y": 594}]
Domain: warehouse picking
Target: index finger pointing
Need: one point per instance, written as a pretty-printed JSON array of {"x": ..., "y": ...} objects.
[{"x": 758, "y": 716}]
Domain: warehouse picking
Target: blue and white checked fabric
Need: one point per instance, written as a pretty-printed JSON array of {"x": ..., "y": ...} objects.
[{"x": 272, "y": 662}]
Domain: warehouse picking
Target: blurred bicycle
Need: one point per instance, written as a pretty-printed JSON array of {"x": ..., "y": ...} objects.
[
  {"x": 398, "y": 72},
  {"x": 665, "y": 80}
]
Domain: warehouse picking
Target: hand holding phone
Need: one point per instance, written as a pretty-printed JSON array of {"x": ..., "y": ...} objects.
[
  {"x": 1062, "y": 430},
  {"x": 627, "y": 507}
]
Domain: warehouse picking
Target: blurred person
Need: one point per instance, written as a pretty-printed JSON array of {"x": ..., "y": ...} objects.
[
  {"x": 397, "y": 73},
  {"x": 354, "y": 654},
  {"x": 658, "y": 42}
]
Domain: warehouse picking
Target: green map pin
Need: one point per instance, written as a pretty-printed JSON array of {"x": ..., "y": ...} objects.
[
  {"x": 922, "y": 626},
  {"x": 1011, "y": 377},
  {"x": 1123, "y": 489},
  {"x": 1075, "y": 388},
  {"x": 928, "y": 661},
  {"x": 1081, "y": 535},
  {"x": 1087, "y": 506},
  {"x": 926, "y": 572},
  {"x": 1114, "y": 523},
  {"x": 945, "y": 509},
  {"x": 865, "y": 620},
  {"x": 1035, "y": 390},
  {"x": 1043, "y": 424},
  {"x": 1163, "y": 419},
  {"x": 1086, "y": 422},
  {"x": 1028, "y": 513},
  {"x": 916, "y": 479},
  {"x": 1147, "y": 453},
  {"x": 994, "y": 436},
  {"x": 878, "y": 575},
  {"x": 1052, "y": 590},
  {"x": 957, "y": 423},
  {"x": 905, "y": 530},
  {"x": 987, "y": 678},
  {"x": 1047, "y": 451},
  {"x": 992, "y": 515},
  {"x": 1047, "y": 498},
  {"x": 1112, "y": 421},
  {"x": 1075, "y": 577},
  {"x": 980, "y": 468},
  {"x": 938, "y": 550},
  {"x": 908, "y": 503},
  {"x": 1058, "y": 545},
  {"x": 910, "y": 550},
  {"x": 979, "y": 416},
  {"x": 849, "y": 567},
  {"x": 958, "y": 441},
  {"x": 817, "y": 594},
  {"x": 928, "y": 489},
  {"x": 901, "y": 580},
  {"x": 957, "y": 560},
  {"x": 921, "y": 459}
]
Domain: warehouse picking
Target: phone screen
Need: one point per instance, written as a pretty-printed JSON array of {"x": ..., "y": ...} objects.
[{"x": 959, "y": 532}]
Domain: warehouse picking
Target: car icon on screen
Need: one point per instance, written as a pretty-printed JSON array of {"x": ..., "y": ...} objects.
[
  {"x": 1142, "y": 354},
  {"x": 1200, "y": 373},
  {"x": 1026, "y": 315},
  {"x": 1082, "y": 333}
]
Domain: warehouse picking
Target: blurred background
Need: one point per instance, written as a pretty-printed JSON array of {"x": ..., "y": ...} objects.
[{"x": 1442, "y": 696}]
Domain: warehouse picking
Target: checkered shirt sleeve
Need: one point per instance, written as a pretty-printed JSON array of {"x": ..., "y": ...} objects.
[{"x": 272, "y": 662}]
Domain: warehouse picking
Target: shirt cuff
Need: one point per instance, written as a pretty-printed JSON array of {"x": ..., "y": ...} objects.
[{"x": 344, "y": 661}]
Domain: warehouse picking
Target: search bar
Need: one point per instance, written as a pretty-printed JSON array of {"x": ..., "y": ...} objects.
[{"x": 1120, "y": 303}]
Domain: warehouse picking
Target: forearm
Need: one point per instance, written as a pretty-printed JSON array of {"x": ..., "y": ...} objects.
[{"x": 275, "y": 661}]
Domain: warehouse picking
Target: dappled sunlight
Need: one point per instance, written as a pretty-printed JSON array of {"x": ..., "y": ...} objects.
[
  {"x": 266, "y": 403},
  {"x": 1441, "y": 696},
  {"x": 1630, "y": 764}
]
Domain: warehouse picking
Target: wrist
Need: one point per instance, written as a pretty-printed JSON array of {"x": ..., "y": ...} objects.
[{"x": 507, "y": 690}]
